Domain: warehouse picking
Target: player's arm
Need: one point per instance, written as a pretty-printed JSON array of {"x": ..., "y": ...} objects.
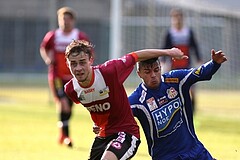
[
  {"x": 45, "y": 48},
  {"x": 208, "y": 69},
  {"x": 46, "y": 55},
  {"x": 153, "y": 53}
]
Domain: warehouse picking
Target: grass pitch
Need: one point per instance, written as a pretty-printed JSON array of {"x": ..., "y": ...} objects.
[{"x": 28, "y": 126}]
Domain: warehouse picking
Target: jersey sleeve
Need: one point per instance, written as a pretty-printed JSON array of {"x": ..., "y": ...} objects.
[
  {"x": 167, "y": 44},
  {"x": 206, "y": 71},
  {"x": 167, "y": 40},
  {"x": 125, "y": 65},
  {"x": 121, "y": 67},
  {"x": 83, "y": 36},
  {"x": 48, "y": 40},
  {"x": 70, "y": 92},
  {"x": 134, "y": 102},
  {"x": 194, "y": 45},
  {"x": 193, "y": 75}
]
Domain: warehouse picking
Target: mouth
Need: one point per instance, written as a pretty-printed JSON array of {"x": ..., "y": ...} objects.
[
  {"x": 154, "y": 81},
  {"x": 79, "y": 74}
]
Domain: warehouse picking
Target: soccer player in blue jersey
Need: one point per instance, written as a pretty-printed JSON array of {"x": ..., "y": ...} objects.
[{"x": 162, "y": 105}]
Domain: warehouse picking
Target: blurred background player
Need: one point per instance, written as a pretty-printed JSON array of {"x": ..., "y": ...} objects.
[
  {"x": 52, "y": 50},
  {"x": 182, "y": 37}
]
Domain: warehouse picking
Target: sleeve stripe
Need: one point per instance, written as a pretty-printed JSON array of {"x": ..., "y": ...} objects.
[{"x": 135, "y": 56}]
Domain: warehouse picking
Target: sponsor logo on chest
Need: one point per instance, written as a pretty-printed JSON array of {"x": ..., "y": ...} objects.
[
  {"x": 166, "y": 112},
  {"x": 163, "y": 116},
  {"x": 99, "y": 107},
  {"x": 95, "y": 98}
]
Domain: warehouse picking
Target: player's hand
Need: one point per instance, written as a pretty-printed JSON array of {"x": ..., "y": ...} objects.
[
  {"x": 218, "y": 57},
  {"x": 176, "y": 53},
  {"x": 96, "y": 129},
  {"x": 48, "y": 61}
]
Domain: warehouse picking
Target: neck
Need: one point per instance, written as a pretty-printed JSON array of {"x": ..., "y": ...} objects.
[
  {"x": 67, "y": 30},
  {"x": 179, "y": 26},
  {"x": 88, "y": 80}
]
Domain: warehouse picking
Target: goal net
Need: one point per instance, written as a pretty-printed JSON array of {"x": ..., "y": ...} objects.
[{"x": 144, "y": 24}]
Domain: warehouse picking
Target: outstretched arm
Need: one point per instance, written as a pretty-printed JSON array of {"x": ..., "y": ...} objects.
[
  {"x": 154, "y": 53},
  {"x": 218, "y": 57}
]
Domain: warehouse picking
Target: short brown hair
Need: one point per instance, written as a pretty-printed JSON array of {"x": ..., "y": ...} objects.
[
  {"x": 67, "y": 10},
  {"x": 78, "y": 46},
  {"x": 147, "y": 62}
]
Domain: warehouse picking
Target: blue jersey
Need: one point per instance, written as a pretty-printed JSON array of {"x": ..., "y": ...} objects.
[{"x": 166, "y": 114}]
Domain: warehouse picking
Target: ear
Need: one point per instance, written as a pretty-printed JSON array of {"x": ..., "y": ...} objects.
[
  {"x": 91, "y": 60},
  {"x": 139, "y": 74},
  {"x": 67, "y": 63}
]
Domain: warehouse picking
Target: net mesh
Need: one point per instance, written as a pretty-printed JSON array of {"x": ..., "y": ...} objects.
[{"x": 144, "y": 24}]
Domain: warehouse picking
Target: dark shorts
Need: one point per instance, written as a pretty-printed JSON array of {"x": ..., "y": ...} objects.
[
  {"x": 57, "y": 87},
  {"x": 198, "y": 152},
  {"x": 122, "y": 144}
]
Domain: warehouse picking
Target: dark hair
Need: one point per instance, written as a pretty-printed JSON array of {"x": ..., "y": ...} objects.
[
  {"x": 147, "y": 62},
  {"x": 78, "y": 46}
]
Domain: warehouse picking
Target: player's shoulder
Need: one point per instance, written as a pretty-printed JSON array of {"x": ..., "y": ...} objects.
[
  {"x": 50, "y": 34},
  {"x": 138, "y": 95},
  {"x": 69, "y": 88},
  {"x": 137, "y": 92},
  {"x": 81, "y": 34}
]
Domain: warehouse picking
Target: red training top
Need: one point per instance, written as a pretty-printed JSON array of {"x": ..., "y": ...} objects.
[
  {"x": 105, "y": 98},
  {"x": 56, "y": 41}
]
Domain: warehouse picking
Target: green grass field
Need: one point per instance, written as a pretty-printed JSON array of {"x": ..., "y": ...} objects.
[{"x": 28, "y": 126}]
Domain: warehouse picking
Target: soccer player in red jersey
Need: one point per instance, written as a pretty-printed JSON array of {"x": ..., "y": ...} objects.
[
  {"x": 182, "y": 37},
  {"x": 100, "y": 90},
  {"x": 52, "y": 51}
]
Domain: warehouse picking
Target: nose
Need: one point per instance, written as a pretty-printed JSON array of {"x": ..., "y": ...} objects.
[
  {"x": 79, "y": 67},
  {"x": 153, "y": 74}
]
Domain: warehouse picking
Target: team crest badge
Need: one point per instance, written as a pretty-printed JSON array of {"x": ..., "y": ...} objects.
[
  {"x": 104, "y": 91},
  {"x": 151, "y": 104},
  {"x": 172, "y": 93}
]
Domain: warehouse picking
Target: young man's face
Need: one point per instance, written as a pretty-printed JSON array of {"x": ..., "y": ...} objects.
[
  {"x": 177, "y": 20},
  {"x": 66, "y": 22},
  {"x": 80, "y": 66},
  {"x": 150, "y": 74}
]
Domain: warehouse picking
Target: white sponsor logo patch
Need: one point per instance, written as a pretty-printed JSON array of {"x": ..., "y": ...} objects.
[
  {"x": 163, "y": 117},
  {"x": 99, "y": 107}
]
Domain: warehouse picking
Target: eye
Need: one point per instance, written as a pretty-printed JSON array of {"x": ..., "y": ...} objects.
[
  {"x": 82, "y": 63},
  {"x": 146, "y": 71},
  {"x": 156, "y": 69},
  {"x": 73, "y": 64}
]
